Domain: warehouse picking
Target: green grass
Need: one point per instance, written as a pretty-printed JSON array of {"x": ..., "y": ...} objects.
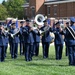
[{"x": 38, "y": 66}]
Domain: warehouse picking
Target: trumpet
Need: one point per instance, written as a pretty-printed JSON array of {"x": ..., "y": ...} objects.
[
  {"x": 16, "y": 32},
  {"x": 44, "y": 30},
  {"x": 62, "y": 26},
  {"x": 52, "y": 36}
]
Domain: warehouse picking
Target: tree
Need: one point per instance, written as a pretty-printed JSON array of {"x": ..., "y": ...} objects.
[
  {"x": 14, "y": 8},
  {"x": 3, "y": 12},
  {"x": 3, "y": 3}
]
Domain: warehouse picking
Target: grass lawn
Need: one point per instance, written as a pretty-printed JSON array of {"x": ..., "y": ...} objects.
[{"x": 38, "y": 66}]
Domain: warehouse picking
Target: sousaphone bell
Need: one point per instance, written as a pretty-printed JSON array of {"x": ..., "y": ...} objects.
[{"x": 39, "y": 19}]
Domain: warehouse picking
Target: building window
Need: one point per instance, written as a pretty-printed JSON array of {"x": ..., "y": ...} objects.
[
  {"x": 55, "y": 9},
  {"x": 48, "y": 10},
  {"x": 27, "y": 1},
  {"x": 26, "y": 12},
  {"x": 33, "y": 12}
]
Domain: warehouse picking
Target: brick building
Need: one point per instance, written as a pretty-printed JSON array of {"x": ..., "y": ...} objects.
[{"x": 50, "y": 8}]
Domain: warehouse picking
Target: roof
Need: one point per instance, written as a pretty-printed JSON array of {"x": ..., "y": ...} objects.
[
  {"x": 53, "y": 0},
  {"x": 25, "y": 5},
  {"x": 57, "y": 1}
]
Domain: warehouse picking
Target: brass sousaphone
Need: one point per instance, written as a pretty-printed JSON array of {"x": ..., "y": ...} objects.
[{"x": 39, "y": 19}]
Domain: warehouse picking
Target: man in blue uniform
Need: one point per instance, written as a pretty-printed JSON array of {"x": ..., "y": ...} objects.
[
  {"x": 46, "y": 38},
  {"x": 58, "y": 41},
  {"x": 6, "y": 42},
  {"x": 65, "y": 39},
  {"x": 6, "y": 37},
  {"x": 14, "y": 41},
  {"x": 36, "y": 36},
  {"x": 71, "y": 42},
  {"x": 28, "y": 41},
  {"x": 21, "y": 38},
  {"x": 2, "y": 44}
]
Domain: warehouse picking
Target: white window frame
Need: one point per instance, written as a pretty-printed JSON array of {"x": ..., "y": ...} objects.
[
  {"x": 55, "y": 9},
  {"x": 26, "y": 11},
  {"x": 48, "y": 10}
]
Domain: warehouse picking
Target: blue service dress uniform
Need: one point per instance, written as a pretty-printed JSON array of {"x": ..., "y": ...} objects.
[
  {"x": 6, "y": 42},
  {"x": 65, "y": 39},
  {"x": 21, "y": 41},
  {"x": 66, "y": 48},
  {"x": 46, "y": 39},
  {"x": 14, "y": 43},
  {"x": 58, "y": 43},
  {"x": 28, "y": 41},
  {"x": 10, "y": 42},
  {"x": 2, "y": 46},
  {"x": 36, "y": 36},
  {"x": 71, "y": 46},
  {"x": 70, "y": 42}
]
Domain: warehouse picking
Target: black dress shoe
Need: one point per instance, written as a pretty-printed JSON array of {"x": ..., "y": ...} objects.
[
  {"x": 30, "y": 59},
  {"x": 27, "y": 59},
  {"x": 45, "y": 57},
  {"x": 2, "y": 60},
  {"x": 15, "y": 57},
  {"x": 71, "y": 64}
]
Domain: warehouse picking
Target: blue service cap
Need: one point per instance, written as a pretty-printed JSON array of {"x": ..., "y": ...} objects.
[
  {"x": 67, "y": 22},
  {"x": 13, "y": 24},
  {"x": 72, "y": 19},
  {"x": 57, "y": 23},
  {"x": 27, "y": 20},
  {"x": 22, "y": 22},
  {"x": 45, "y": 21}
]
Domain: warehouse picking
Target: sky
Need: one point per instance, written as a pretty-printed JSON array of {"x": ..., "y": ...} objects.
[{"x": 2, "y": 1}]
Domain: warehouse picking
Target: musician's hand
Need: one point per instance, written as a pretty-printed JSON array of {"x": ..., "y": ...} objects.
[
  {"x": 50, "y": 26},
  {"x": 31, "y": 29},
  {"x": 60, "y": 29},
  {"x": 37, "y": 29},
  {"x": 39, "y": 26},
  {"x": 3, "y": 29}
]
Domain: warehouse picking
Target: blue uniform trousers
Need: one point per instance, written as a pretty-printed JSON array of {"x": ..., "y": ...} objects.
[
  {"x": 71, "y": 54},
  {"x": 10, "y": 47},
  {"x": 28, "y": 51},
  {"x": 22, "y": 48},
  {"x": 2, "y": 53},
  {"x": 45, "y": 46},
  {"x": 66, "y": 52},
  {"x": 58, "y": 51},
  {"x": 14, "y": 50},
  {"x": 6, "y": 46},
  {"x": 36, "y": 48}
]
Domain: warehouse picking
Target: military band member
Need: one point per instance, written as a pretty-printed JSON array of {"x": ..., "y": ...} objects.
[
  {"x": 6, "y": 41},
  {"x": 71, "y": 42},
  {"x": 28, "y": 41},
  {"x": 6, "y": 37},
  {"x": 36, "y": 36},
  {"x": 65, "y": 39},
  {"x": 14, "y": 41},
  {"x": 21, "y": 38},
  {"x": 46, "y": 39},
  {"x": 2, "y": 44},
  {"x": 58, "y": 41}
]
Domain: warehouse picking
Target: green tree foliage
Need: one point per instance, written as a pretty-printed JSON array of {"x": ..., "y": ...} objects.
[
  {"x": 4, "y": 3},
  {"x": 3, "y": 12},
  {"x": 14, "y": 8}
]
